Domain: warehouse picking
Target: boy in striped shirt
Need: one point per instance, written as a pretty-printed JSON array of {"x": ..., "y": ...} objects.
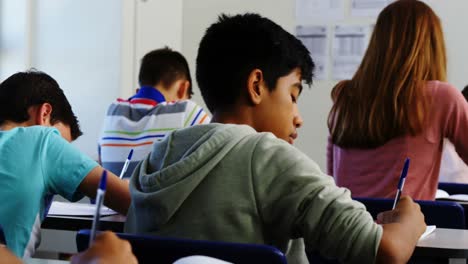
[{"x": 161, "y": 105}]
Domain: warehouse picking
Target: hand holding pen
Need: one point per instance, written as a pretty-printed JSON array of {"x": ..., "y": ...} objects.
[
  {"x": 101, "y": 191},
  {"x": 127, "y": 162},
  {"x": 401, "y": 182}
]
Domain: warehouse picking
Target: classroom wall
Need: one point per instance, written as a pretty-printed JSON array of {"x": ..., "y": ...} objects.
[
  {"x": 72, "y": 45},
  {"x": 315, "y": 102},
  {"x": 147, "y": 25}
]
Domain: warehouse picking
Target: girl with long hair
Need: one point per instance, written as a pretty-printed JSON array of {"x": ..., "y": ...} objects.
[{"x": 397, "y": 105}]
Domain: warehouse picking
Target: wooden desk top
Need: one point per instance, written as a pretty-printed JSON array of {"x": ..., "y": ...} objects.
[{"x": 444, "y": 243}]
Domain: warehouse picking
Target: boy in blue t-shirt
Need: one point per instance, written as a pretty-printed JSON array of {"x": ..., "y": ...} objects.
[{"x": 36, "y": 125}]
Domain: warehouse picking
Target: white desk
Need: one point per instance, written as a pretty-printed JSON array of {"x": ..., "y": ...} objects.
[
  {"x": 76, "y": 216},
  {"x": 444, "y": 243}
]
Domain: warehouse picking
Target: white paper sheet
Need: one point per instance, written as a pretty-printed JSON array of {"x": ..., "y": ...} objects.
[
  {"x": 349, "y": 45},
  {"x": 77, "y": 209},
  {"x": 315, "y": 39},
  {"x": 319, "y": 10},
  {"x": 200, "y": 260},
  {"x": 429, "y": 229},
  {"x": 368, "y": 8}
]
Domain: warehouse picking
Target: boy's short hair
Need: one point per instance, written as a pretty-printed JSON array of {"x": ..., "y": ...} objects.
[
  {"x": 31, "y": 88},
  {"x": 465, "y": 92},
  {"x": 164, "y": 66},
  {"x": 234, "y": 46}
]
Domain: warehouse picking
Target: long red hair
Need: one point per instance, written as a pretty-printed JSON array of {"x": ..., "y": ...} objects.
[{"x": 386, "y": 96}]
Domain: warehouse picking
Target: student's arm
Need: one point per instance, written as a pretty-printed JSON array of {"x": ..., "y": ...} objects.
[
  {"x": 453, "y": 116},
  {"x": 402, "y": 228},
  {"x": 70, "y": 173},
  {"x": 107, "y": 248},
  {"x": 117, "y": 193},
  {"x": 295, "y": 199},
  {"x": 7, "y": 257}
]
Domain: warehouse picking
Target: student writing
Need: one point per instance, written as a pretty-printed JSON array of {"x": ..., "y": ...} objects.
[
  {"x": 37, "y": 161},
  {"x": 240, "y": 179},
  {"x": 160, "y": 106}
]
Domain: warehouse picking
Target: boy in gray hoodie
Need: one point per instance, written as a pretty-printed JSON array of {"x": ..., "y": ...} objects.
[{"x": 237, "y": 179}]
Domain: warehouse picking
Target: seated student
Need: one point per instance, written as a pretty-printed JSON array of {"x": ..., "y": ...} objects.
[
  {"x": 224, "y": 181},
  {"x": 160, "y": 106},
  {"x": 37, "y": 161},
  {"x": 397, "y": 105},
  {"x": 107, "y": 248},
  {"x": 452, "y": 167}
]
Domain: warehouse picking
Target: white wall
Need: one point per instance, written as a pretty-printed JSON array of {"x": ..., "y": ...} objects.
[
  {"x": 147, "y": 25},
  {"x": 453, "y": 14},
  {"x": 14, "y": 37},
  {"x": 78, "y": 44},
  {"x": 315, "y": 103}
]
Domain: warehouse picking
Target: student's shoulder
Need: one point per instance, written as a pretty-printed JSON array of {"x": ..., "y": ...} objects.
[
  {"x": 443, "y": 90},
  {"x": 186, "y": 104},
  {"x": 446, "y": 98},
  {"x": 37, "y": 131},
  {"x": 269, "y": 147},
  {"x": 33, "y": 136}
]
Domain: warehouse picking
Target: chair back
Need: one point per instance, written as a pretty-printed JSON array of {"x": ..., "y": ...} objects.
[
  {"x": 443, "y": 214},
  {"x": 454, "y": 188},
  {"x": 161, "y": 250}
]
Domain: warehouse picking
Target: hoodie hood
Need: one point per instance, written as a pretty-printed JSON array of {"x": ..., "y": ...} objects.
[{"x": 176, "y": 166}]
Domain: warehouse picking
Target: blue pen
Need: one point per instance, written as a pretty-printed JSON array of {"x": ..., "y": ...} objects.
[
  {"x": 401, "y": 182},
  {"x": 101, "y": 191},
  {"x": 125, "y": 166}
]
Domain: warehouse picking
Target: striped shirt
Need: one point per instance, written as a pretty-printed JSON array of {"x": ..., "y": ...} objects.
[{"x": 138, "y": 122}]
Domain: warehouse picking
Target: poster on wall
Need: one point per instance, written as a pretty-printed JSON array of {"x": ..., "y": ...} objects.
[
  {"x": 319, "y": 10},
  {"x": 349, "y": 45},
  {"x": 368, "y": 8},
  {"x": 315, "y": 39}
]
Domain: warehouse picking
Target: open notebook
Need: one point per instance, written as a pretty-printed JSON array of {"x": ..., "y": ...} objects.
[
  {"x": 77, "y": 209},
  {"x": 443, "y": 195}
]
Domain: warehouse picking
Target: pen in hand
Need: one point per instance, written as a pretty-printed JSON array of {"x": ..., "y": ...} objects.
[
  {"x": 127, "y": 162},
  {"x": 401, "y": 182},
  {"x": 101, "y": 191}
]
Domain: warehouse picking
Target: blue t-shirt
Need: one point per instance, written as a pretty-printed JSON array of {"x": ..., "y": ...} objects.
[{"x": 35, "y": 163}]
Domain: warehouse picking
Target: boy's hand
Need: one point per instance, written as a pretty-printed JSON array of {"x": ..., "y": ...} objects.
[
  {"x": 406, "y": 210},
  {"x": 107, "y": 248},
  {"x": 402, "y": 227}
]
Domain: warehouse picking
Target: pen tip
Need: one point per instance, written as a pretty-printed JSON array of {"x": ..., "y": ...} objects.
[
  {"x": 103, "y": 181},
  {"x": 130, "y": 154}
]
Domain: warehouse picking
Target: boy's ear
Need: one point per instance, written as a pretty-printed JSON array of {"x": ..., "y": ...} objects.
[
  {"x": 182, "y": 90},
  {"x": 255, "y": 87},
  {"x": 43, "y": 114}
]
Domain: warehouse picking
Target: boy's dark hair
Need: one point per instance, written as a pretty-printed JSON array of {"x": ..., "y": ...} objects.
[
  {"x": 165, "y": 66},
  {"x": 465, "y": 92},
  {"x": 32, "y": 88},
  {"x": 234, "y": 46}
]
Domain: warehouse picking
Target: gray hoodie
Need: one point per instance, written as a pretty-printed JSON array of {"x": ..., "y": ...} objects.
[{"x": 230, "y": 183}]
